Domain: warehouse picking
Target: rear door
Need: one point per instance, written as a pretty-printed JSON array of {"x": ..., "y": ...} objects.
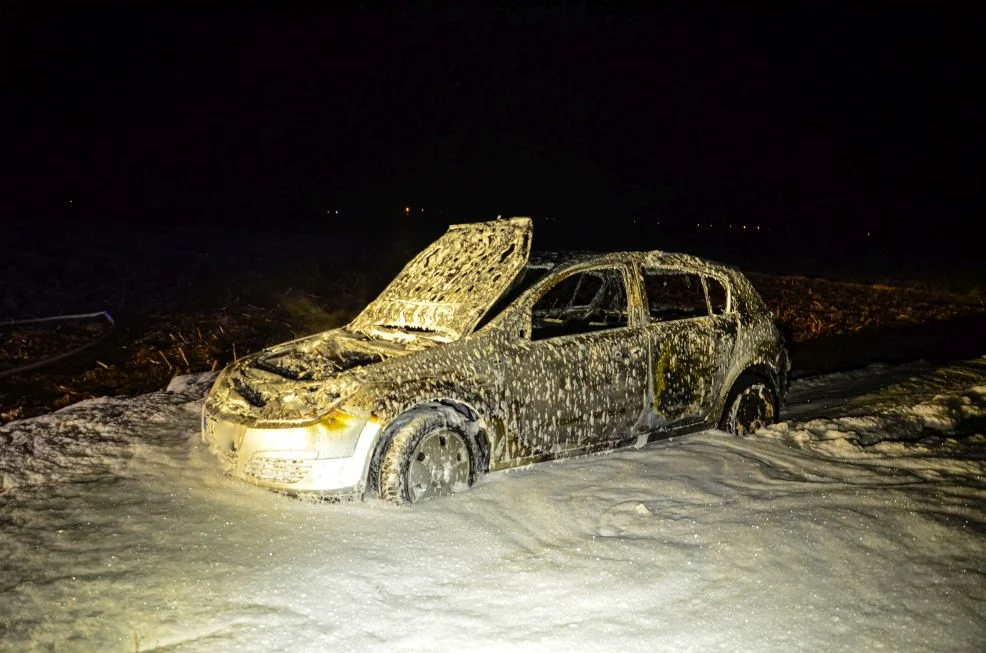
[{"x": 691, "y": 335}]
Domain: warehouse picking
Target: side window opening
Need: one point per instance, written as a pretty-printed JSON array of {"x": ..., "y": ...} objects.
[
  {"x": 589, "y": 287},
  {"x": 583, "y": 302},
  {"x": 718, "y": 297},
  {"x": 674, "y": 295}
]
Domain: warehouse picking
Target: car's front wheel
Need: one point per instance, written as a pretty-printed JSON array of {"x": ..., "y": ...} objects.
[
  {"x": 429, "y": 456},
  {"x": 750, "y": 406}
]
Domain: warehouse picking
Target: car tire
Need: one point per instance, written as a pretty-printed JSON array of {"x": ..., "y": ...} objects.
[
  {"x": 432, "y": 453},
  {"x": 750, "y": 406}
]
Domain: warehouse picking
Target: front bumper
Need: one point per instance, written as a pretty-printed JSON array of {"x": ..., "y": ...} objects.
[{"x": 296, "y": 460}]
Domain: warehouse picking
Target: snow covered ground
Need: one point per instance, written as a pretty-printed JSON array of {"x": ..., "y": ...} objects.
[{"x": 859, "y": 524}]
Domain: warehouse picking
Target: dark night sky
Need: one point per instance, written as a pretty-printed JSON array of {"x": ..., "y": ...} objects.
[{"x": 854, "y": 120}]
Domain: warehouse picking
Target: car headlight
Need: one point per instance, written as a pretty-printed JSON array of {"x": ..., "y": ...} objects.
[{"x": 336, "y": 433}]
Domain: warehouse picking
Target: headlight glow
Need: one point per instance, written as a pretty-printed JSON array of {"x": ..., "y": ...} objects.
[{"x": 336, "y": 433}]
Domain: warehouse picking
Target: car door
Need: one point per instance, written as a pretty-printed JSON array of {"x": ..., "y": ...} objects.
[
  {"x": 691, "y": 335},
  {"x": 578, "y": 374}
]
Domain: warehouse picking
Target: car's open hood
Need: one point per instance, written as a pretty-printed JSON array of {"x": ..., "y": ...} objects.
[{"x": 446, "y": 288}]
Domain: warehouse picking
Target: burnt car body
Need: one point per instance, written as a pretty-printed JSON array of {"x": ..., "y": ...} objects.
[{"x": 480, "y": 356}]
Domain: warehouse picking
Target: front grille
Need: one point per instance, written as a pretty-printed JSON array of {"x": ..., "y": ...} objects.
[{"x": 278, "y": 470}]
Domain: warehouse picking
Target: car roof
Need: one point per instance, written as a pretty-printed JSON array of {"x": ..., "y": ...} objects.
[
  {"x": 744, "y": 291},
  {"x": 657, "y": 258}
]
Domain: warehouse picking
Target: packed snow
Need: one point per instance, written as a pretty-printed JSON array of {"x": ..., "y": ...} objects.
[{"x": 857, "y": 524}]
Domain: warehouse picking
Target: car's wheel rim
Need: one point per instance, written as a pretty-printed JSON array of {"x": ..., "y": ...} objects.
[
  {"x": 438, "y": 466},
  {"x": 752, "y": 410}
]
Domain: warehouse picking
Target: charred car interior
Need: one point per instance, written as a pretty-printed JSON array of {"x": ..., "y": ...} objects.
[{"x": 481, "y": 356}]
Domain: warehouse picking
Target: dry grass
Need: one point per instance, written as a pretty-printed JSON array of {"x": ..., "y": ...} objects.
[
  {"x": 190, "y": 300},
  {"x": 807, "y": 308},
  {"x": 148, "y": 353}
]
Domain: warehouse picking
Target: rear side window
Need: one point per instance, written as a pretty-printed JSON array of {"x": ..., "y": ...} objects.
[
  {"x": 674, "y": 295},
  {"x": 718, "y": 297}
]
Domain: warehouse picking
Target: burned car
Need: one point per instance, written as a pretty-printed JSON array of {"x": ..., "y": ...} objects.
[{"x": 481, "y": 356}]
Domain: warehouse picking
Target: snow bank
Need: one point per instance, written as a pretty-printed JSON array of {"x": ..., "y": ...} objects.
[
  {"x": 929, "y": 424},
  {"x": 857, "y": 525},
  {"x": 94, "y": 439}
]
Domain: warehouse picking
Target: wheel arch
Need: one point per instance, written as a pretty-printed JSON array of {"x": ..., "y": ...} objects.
[
  {"x": 468, "y": 417},
  {"x": 760, "y": 371},
  {"x": 756, "y": 372}
]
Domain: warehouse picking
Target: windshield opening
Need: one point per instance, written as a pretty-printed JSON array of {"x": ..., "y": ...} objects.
[{"x": 529, "y": 275}]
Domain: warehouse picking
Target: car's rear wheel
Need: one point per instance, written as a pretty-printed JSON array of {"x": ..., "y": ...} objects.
[
  {"x": 429, "y": 456},
  {"x": 750, "y": 406}
]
